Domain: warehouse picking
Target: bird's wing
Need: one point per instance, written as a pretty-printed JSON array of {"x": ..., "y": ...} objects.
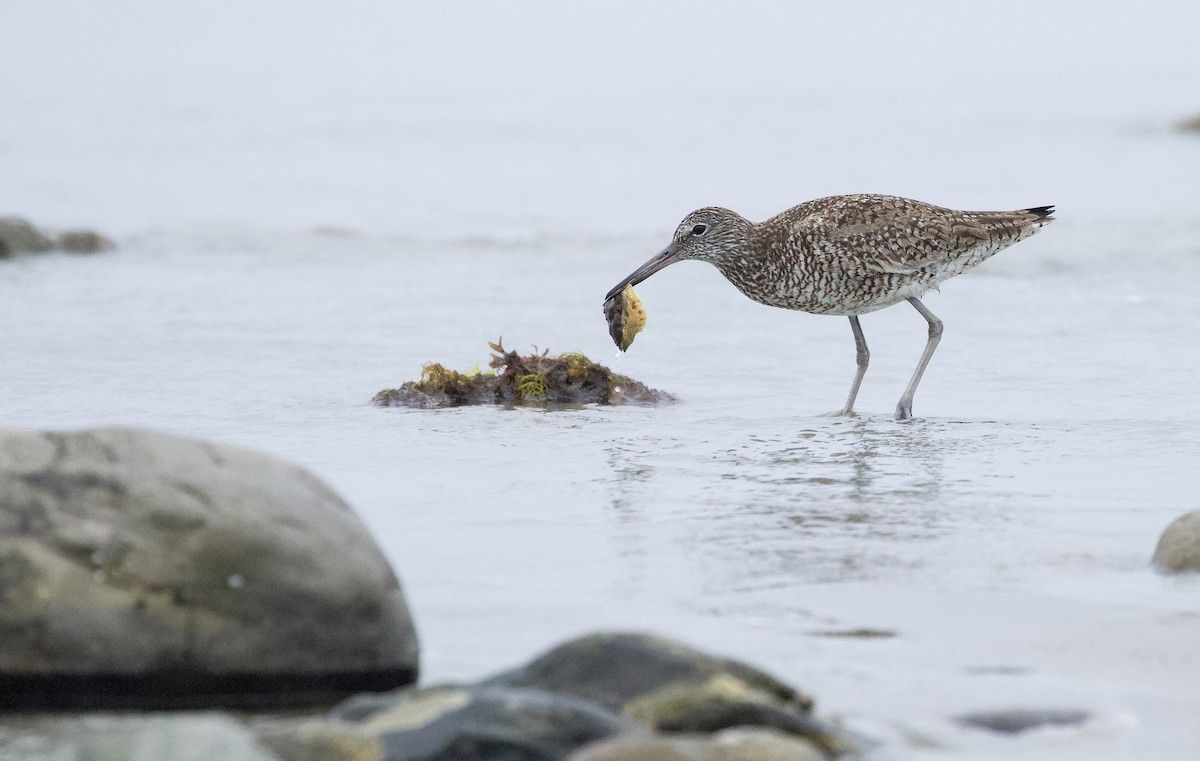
[{"x": 892, "y": 238}]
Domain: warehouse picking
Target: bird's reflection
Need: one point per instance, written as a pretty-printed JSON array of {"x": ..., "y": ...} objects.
[{"x": 838, "y": 499}]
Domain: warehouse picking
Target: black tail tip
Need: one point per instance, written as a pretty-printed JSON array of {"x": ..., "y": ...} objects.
[{"x": 1041, "y": 211}]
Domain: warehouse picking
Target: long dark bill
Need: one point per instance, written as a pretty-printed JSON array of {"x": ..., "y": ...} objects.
[{"x": 660, "y": 260}]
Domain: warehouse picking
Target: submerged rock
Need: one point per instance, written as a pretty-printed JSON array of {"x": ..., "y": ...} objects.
[
  {"x": 139, "y": 569},
  {"x": 568, "y": 378},
  {"x": 1178, "y": 548},
  {"x": 18, "y": 236},
  {"x": 669, "y": 686},
  {"x": 1013, "y": 721},
  {"x": 481, "y": 723},
  {"x": 739, "y": 744}
]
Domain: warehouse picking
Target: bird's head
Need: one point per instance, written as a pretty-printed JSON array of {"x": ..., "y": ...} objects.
[{"x": 711, "y": 234}]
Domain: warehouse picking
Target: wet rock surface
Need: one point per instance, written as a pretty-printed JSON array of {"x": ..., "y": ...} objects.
[
  {"x": 668, "y": 686},
  {"x": 540, "y": 379},
  {"x": 139, "y": 569},
  {"x": 481, "y": 723},
  {"x": 1178, "y": 548}
]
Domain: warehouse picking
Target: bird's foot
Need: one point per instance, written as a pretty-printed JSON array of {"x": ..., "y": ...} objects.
[
  {"x": 843, "y": 412},
  {"x": 904, "y": 411}
]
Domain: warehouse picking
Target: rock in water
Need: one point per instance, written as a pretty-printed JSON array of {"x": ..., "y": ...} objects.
[
  {"x": 83, "y": 241},
  {"x": 1190, "y": 125},
  {"x": 139, "y": 569},
  {"x": 1013, "y": 721},
  {"x": 481, "y": 723},
  {"x": 1179, "y": 546},
  {"x": 626, "y": 316},
  {"x": 19, "y": 236},
  {"x": 669, "y": 686}
]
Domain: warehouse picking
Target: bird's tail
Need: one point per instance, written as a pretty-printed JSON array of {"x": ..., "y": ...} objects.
[
  {"x": 1012, "y": 226},
  {"x": 1042, "y": 214}
]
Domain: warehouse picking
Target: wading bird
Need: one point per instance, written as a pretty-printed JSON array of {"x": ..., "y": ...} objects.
[{"x": 847, "y": 255}]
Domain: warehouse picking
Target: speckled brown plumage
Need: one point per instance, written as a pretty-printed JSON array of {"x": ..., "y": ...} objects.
[{"x": 847, "y": 255}]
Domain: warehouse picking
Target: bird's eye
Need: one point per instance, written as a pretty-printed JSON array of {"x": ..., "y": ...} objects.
[{"x": 699, "y": 229}]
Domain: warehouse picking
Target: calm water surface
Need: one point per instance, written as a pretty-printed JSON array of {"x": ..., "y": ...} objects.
[{"x": 298, "y": 231}]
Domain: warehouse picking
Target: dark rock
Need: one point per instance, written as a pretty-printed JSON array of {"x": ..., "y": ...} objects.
[
  {"x": 569, "y": 379},
  {"x": 481, "y": 723},
  {"x": 19, "y": 236},
  {"x": 1178, "y": 548},
  {"x": 1190, "y": 125},
  {"x": 1015, "y": 720},
  {"x": 616, "y": 668},
  {"x": 671, "y": 687},
  {"x": 740, "y": 744},
  {"x": 144, "y": 570}
]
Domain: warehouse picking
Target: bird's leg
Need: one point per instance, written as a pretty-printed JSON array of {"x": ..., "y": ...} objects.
[
  {"x": 862, "y": 357},
  {"x": 904, "y": 408}
]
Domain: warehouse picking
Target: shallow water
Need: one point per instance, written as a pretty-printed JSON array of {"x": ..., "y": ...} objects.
[{"x": 297, "y": 233}]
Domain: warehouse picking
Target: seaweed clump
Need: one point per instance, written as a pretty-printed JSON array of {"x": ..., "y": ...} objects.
[
  {"x": 539, "y": 379},
  {"x": 626, "y": 316}
]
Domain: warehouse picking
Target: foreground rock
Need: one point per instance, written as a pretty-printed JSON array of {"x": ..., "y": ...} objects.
[
  {"x": 18, "y": 236},
  {"x": 182, "y": 736},
  {"x": 134, "y": 738},
  {"x": 669, "y": 686},
  {"x": 139, "y": 569},
  {"x": 481, "y": 723},
  {"x": 740, "y": 744},
  {"x": 1178, "y": 548},
  {"x": 319, "y": 740},
  {"x": 568, "y": 378}
]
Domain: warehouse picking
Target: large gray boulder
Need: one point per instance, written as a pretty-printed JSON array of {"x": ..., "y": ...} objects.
[
  {"x": 1179, "y": 546},
  {"x": 142, "y": 569}
]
